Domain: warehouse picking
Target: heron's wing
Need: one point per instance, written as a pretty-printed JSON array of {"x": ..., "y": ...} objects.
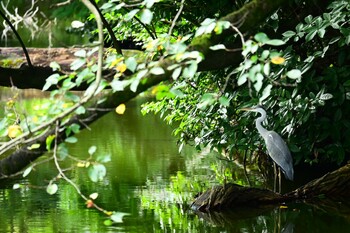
[{"x": 279, "y": 153}]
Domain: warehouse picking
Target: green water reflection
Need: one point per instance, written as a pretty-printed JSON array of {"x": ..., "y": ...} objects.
[{"x": 144, "y": 179}]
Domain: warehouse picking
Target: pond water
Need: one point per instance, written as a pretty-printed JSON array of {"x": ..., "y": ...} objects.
[{"x": 152, "y": 182}]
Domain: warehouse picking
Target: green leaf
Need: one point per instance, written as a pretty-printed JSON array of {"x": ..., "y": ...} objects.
[
  {"x": 51, "y": 188},
  {"x": 326, "y": 96},
  {"x": 97, "y": 172},
  {"x": 62, "y": 151},
  {"x": 223, "y": 100},
  {"x": 206, "y": 100},
  {"x": 80, "y": 53},
  {"x": 71, "y": 140},
  {"x": 289, "y": 34},
  {"x": 108, "y": 222},
  {"x": 310, "y": 35},
  {"x": 131, "y": 63},
  {"x": 261, "y": 37},
  {"x": 176, "y": 73},
  {"x": 51, "y": 80},
  {"x": 275, "y": 42},
  {"x": 49, "y": 141},
  {"x": 190, "y": 71},
  {"x": 294, "y": 74},
  {"x": 242, "y": 79},
  {"x": 130, "y": 14},
  {"x": 55, "y": 66},
  {"x": 27, "y": 171},
  {"x": 217, "y": 47},
  {"x": 266, "y": 93},
  {"x": 92, "y": 150},
  {"x": 78, "y": 63},
  {"x": 157, "y": 71},
  {"x": 16, "y": 186},
  {"x": 34, "y": 146},
  {"x": 146, "y": 16},
  {"x": 80, "y": 110}
]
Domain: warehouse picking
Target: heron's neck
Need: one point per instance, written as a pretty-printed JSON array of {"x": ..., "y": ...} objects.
[{"x": 258, "y": 122}]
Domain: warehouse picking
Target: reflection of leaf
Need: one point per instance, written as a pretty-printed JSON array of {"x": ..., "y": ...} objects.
[
  {"x": 51, "y": 189},
  {"x": 97, "y": 172},
  {"x": 117, "y": 217}
]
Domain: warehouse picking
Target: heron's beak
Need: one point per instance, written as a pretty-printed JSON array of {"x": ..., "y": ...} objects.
[{"x": 246, "y": 109}]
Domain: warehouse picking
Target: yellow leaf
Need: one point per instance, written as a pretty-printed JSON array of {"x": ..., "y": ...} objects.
[
  {"x": 80, "y": 164},
  {"x": 283, "y": 207},
  {"x": 109, "y": 213},
  {"x": 116, "y": 62},
  {"x": 120, "y": 109},
  {"x": 121, "y": 68},
  {"x": 14, "y": 131},
  {"x": 278, "y": 60}
]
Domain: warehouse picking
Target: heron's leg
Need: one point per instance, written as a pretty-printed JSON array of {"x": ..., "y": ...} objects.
[
  {"x": 274, "y": 177},
  {"x": 279, "y": 177}
]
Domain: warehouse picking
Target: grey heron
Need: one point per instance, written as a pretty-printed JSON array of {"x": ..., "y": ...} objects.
[{"x": 276, "y": 147}]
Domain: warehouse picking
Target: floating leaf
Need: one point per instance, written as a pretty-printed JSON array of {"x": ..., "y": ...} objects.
[
  {"x": 92, "y": 150},
  {"x": 51, "y": 188},
  {"x": 27, "y": 171},
  {"x": 120, "y": 109},
  {"x": 294, "y": 74}
]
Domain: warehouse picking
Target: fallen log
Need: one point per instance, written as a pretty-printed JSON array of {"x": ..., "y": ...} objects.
[{"x": 332, "y": 185}]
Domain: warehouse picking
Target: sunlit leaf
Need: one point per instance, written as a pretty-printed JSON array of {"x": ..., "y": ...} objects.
[
  {"x": 217, "y": 47},
  {"x": 62, "y": 151},
  {"x": 34, "y": 146},
  {"x": 92, "y": 150},
  {"x": 131, "y": 14},
  {"x": 223, "y": 100},
  {"x": 78, "y": 63},
  {"x": 131, "y": 63},
  {"x": 121, "y": 67},
  {"x": 266, "y": 93},
  {"x": 49, "y": 141},
  {"x": 176, "y": 73},
  {"x": 120, "y": 109},
  {"x": 80, "y": 110},
  {"x": 27, "y": 171},
  {"x": 16, "y": 186},
  {"x": 93, "y": 196},
  {"x": 55, "y": 66},
  {"x": 108, "y": 222},
  {"x": 157, "y": 71},
  {"x": 277, "y": 60},
  {"x": 80, "y": 53},
  {"x": 51, "y": 80},
  {"x": 51, "y": 188},
  {"x": 146, "y": 16},
  {"x": 294, "y": 74}
]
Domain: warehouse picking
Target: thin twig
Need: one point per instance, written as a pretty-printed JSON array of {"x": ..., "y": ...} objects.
[{"x": 176, "y": 18}]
